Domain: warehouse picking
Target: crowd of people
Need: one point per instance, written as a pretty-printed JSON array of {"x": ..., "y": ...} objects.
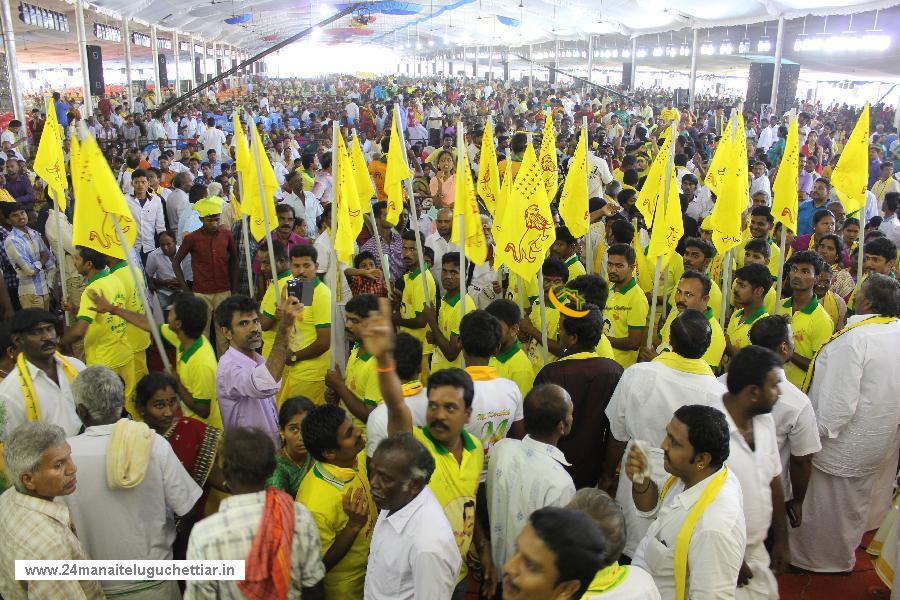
[{"x": 423, "y": 427}]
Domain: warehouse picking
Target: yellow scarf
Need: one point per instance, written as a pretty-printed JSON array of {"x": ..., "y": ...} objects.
[
  {"x": 606, "y": 579},
  {"x": 32, "y": 406},
  {"x": 411, "y": 388},
  {"x": 482, "y": 373},
  {"x": 581, "y": 355},
  {"x": 831, "y": 307},
  {"x": 696, "y": 366},
  {"x": 128, "y": 454},
  {"x": 807, "y": 381},
  {"x": 683, "y": 541}
]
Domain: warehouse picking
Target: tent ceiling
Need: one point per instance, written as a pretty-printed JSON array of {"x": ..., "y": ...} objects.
[{"x": 439, "y": 24}]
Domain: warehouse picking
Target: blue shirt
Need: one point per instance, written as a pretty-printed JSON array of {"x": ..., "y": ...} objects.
[
  {"x": 61, "y": 109},
  {"x": 804, "y": 216}
]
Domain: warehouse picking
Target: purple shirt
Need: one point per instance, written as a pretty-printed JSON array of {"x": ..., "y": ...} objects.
[
  {"x": 21, "y": 189},
  {"x": 394, "y": 251},
  {"x": 805, "y": 182},
  {"x": 246, "y": 393}
]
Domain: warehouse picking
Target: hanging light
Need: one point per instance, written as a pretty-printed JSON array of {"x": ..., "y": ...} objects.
[
  {"x": 800, "y": 44},
  {"x": 684, "y": 50},
  {"x": 726, "y": 47},
  {"x": 671, "y": 50},
  {"x": 707, "y": 48},
  {"x": 641, "y": 52},
  {"x": 625, "y": 53},
  {"x": 744, "y": 46},
  {"x": 657, "y": 49}
]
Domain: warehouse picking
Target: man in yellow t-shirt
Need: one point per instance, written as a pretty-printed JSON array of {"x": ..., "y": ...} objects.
[
  {"x": 443, "y": 327},
  {"x": 195, "y": 359},
  {"x": 268, "y": 315},
  {"x": 359, "y": 390},
  {"x": 305, "y": 376},
  {"x": 697, "y": 255},
  {"x": 627, "y": 308},
  {"x": 564, "y": 248},
  {"x": 751, "y": 284},
  {"x": 692, "y": 292},
  {"x": 511, "y": 361},
  {"x": 336, "y": 492},
  {"x": 409, "y": 306},
  {"x": 809, "y": 321},
  {"x": 758, "y": 252},
  {"x": 556, "y": 274},
  {"x": 761, "y": 223},
  {"x": 103, "y": 334},
  {"x": 138, "y": 339}
]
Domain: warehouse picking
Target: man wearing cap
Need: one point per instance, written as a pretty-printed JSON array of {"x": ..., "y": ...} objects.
[
  {"x": 213, "y": 260},
  {"x": 37, "y": 389}
]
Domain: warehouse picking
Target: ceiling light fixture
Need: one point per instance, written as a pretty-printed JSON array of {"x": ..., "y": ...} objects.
[
  {"x": 765, "y": 44},
  {"x": 726, "y": 47},
  {"x": 707, "y": 48},
  {"x": 744, "y": 46}
]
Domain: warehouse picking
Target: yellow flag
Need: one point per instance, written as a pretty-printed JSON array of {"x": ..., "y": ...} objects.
[
  {"x": 98, "y": 202},
  {"x": 527, "y": 231},
  {"x": 648, "y": 197},
  {"x": 396, "y": 173},
  {"x": 668, "y": 226},
  {"x": 364, "y": 188},
  {"x": 851, "y": 175},
  {"x": 252, "y": 202},
  {"x": 733, "y": 195},
  {"x": 784, "y": 190},
  {"x": 502, "y": 204},
  {"x": 348, "y": 211},
  {"x": 49, "y": 162},
  {"x": 549, "y": 167},
  {"x": 488, "y": 172},
  {"x": 573, "y": 203},
  {"x": 717, "y": 165},
  {"x": 242, "y": 151},
  {"x": 466, "y": 206}
]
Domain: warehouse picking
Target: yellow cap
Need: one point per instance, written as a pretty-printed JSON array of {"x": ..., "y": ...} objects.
[{"x": 209, "y": 206}]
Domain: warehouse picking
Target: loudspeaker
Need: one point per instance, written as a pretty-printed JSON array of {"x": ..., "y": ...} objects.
[
  {"x": 759, "y": 85},
  {"x": 198, "y": 74},
  {"x": 626, "y": 75},
  {"x": 163, "y": 74},
  {"x": 95, "y": 70}
]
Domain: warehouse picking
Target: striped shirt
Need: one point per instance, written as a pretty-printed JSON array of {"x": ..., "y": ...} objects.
[{"x": 24, "y": 250}]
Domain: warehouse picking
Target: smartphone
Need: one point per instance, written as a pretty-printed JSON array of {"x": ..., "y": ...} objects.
[{"x": 302, "y": 290}]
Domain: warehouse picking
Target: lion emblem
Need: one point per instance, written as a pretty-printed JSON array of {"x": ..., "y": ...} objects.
[{"x": 531, "y": 244}]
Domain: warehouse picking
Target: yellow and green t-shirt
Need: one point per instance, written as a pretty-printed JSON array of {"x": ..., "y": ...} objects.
[
  {"x": 515, "y": 365},
  {"x": 314, "y": 318},
  {"x": 412, "y": 302},
  {"x": 604, "y": 348},
  {"x": 322, "y": 492},
  {"x": 455, "y": 484},
  {"x": 449, "y": 319},
  {"x": 715, "y": 298},
  {"x": 105, "y": 337},
  {"x": 137, "y": 338},
  {"x": 575, "y": 267},
  {"x": 713, "y": 355},
  {"x": 738, "y": 329},
  {"x": 196, "y": 367},
  {"x": 812, "y": 327},
  {"x": 362, "y": 379},
  {"x": 626, "y": 309},
  {"x": 267, "y": 307},
  {"x": 535, "y": 349}
]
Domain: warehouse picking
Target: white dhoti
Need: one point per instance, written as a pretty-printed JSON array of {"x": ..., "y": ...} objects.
[
  {"x": 883, "y": 488},
  {"x": 763, "y": 585},
  {"x": 834, "y": 521},
  {"x": 636, "y": 526}
]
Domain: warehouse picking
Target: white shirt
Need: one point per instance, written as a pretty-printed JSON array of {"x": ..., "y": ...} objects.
[
  {"x": 599, "y": 175},
  {"x": 136, "y": 523},
  {"x": 755, "y": 469},
  {"x": 149, "y": 219},
  {"x": 175, "y": 203},
  {"x": 891, "y": 229},
  {"x": 413, "y": 554},
  {"x": 855, "y": 393},
  {"x": 307, "y": 209},
  {"x": 795, "y": 427},
  {"x": 637, "y": 585},
  {"x": 717, "y": 545},
  {"x": 496, "y": 406},
  {"x": 641, "y": 407},
  {"x": 702, "y": 205},
  {"x": 58, "y": 222},
  {"x": 377, "y": 423},
  {"x": 440, "y": 246},
  {"x": 160, "y": 266},
  {"x": 55, "y": 401},
  {"x": 326, "y": 253},
  {"x": 352, "y": 111},
  {"x": 212, "y": 139},
  {"x": 523, "y": 476}
]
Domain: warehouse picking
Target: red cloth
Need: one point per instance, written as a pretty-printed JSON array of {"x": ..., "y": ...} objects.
[
  {"x": 267, "y": 571},
  {"x": 212, "y": 255}
]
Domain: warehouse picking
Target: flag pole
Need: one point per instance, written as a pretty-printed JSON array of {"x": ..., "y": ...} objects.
[
  {"x": 542, "y": 302},
  {"x": 256, "y": 151},
  {"x": 726, "y": 270},
  {"x": 656, "y": 216},
  {"x": 336, "y": 174},
  {"x": 588, "y": 243},
  {"x": 779, "y": 284},
  {"x": 860, "y": 246},
  {"x": 460, "y": 164},
  {"x": 663, "y": 309},
  {"x": 245, "y": 235},
  {"x": 413, "y": 213},
  {"x": 61, "y": 255},
  {"x": 142, "y": 292}
]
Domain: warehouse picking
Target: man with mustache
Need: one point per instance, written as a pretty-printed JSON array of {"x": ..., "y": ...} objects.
[
  {"x": 34, "y": 527},
  {"x": 47, "y": 375},
  {"x": 246, "y": 383}
]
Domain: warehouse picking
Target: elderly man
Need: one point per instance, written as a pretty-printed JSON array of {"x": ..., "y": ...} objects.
[
  {"x": 413, "y": 551},
  {"x": 853, "y": 386},
  {"x": 38, "y": 388},
  {"x": 248, "y": 459},
  {"x": 133, "y": 485},
  {"x": 34, "y": 527},
  {"x": 528, "y": 474}
]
